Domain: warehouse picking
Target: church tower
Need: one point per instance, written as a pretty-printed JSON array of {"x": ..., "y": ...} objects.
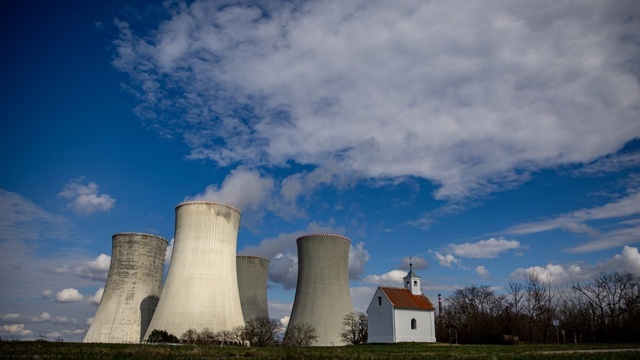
[{"x": 412, "y": 281}]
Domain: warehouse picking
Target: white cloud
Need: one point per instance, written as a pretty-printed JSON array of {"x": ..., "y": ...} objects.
[
  {"x": 358, "y": 257},
  {"x": 280, "y": 310},
  {"x": 10, "y": 317},
  {"x": 284, "y": 321},
  {"x": 97, "y": 297},
  {"x": 470, "y": 112},
  {"x": 242, "y": 188},
  {"x": 15, "y": 330},
  {"x": 627, "y": 261},
  {"x": 69, "y": 295},
  {"x": 608, "y": 164},
  {"x": 484, "y": 249},
  {"x": 626, "y": 232},
  {"x": 89, "y": 321},
  {"x": 84, "y": 199},
  {"x": 60, "y": 320},
  {"x": 391, "y": 278},
  {"x": 361, "y": 297},
  {"x": 97, "y": 269},
  {"x": 615, "y": 238},
  {"x": 556, "y": 273},
  {"x": 44, "y": 317},
  {"x": 283, "y": 270},
  {"x": 21, "y": 219},
  {"x": 482, "y": 271},
  {"x": 629, "y": 205},
  {"x": 167, "y": 256},
  {"x": 447, "y": 260},
  {"x": 46, "y": 294}
]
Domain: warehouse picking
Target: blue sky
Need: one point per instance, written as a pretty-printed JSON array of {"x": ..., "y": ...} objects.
[{"x": 486, "y": 140}]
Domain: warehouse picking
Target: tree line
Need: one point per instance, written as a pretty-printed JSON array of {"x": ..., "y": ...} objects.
[{"x": 604, "y": 309}]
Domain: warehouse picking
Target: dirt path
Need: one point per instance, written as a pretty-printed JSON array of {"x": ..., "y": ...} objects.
[{"x": 587, "y": 351}]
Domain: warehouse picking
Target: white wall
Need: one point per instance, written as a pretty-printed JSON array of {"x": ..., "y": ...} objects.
[
  {"x": 425, "y": 330},
  {"x": 380, "y": 319}
]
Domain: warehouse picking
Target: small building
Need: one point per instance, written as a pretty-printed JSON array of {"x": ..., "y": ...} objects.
[{"x": 401, "y": 314}]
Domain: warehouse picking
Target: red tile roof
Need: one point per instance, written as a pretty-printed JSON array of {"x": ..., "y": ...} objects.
[{"x": 404, "y": 299}]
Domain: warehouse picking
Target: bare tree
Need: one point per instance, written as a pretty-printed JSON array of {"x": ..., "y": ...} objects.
[
  {"x": 355, "y": 328},
  {"x": 189, "y": 337},
  {"x": 476, "y": 310},
  {"x": 300, "y": 335},
  {"x": 205, "y": 337},
  {"x": 613, "y": 298},
  {"x": 542, "y": 300},
  {"x": 515, "y": 293},
  {"x": 261, "y": 331}
]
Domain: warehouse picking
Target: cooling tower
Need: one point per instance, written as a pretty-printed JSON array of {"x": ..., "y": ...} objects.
[
  {"x": 252, "y": 284},
  {"x": 201, "y": 290},
  {"x": 322, "y": 294},
  {"x": 132, "y": 291}
]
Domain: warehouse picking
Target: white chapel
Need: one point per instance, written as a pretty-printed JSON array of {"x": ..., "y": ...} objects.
[{"x": 401, "y": 314}]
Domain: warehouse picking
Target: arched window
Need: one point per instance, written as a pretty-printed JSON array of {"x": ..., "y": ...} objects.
[{"x": 414, "y": 324}]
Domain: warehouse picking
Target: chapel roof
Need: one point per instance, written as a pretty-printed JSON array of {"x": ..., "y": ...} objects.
[{"x": 404, "y": 299}]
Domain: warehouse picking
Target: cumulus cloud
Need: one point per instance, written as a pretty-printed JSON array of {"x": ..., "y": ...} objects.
[
  {"x": 358, "y": 257},
  {"x": 97, "y": 297},
  {"x": 84, "y": 199},
  {"x": 89, "y": 321},
  {"x": 280, "y": 310},
  {"x": 250, "y": 190},
  {"x": 482, "y": 271},
  {"x": 69, "y": 295},
  {"x": 391, "y": 278},
  {"x": 44, "y": 317},
  {"x": 627, "y": 261},
  {"x": 447, "y": 260},
  {"x": 284, "y": 321},
  {"x": 97, "y": 269},
  {"x": 60, "y": 320},
  {"x": 15, "y": 330},
  {"x": 361, "y": 297},
  {"x": 10, "y": 317},
  {"x": 283, "y": 270},
  {"x": 417, "y": 261},
  {"x": 484, "y": 249},
  {"x": 472, "y": 113},
  {"x": 46, "y": 294}
]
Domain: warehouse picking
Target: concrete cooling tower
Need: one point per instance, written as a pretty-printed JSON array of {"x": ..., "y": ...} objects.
[
  {"x": 132, "y": 291},
  {"x": 322, "y": 293},
  {"x": 252, "y": 284},
  {"x": 201, "y": 290}
]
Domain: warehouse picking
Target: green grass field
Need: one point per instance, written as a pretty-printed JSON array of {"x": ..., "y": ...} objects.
[{"x": 52, "y": 350}]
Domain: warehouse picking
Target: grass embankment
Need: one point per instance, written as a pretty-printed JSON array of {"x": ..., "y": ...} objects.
[{"x": 51, "y": 350}]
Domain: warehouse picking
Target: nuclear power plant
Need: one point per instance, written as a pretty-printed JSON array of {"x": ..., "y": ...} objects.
[
  {"x": 252, "y": 284},
  {"x": 201, "y": 290},
  {"x": 322, "y": 293},
  {"x": 209, "y": 288},
  {"x": 132, "y": 290}
]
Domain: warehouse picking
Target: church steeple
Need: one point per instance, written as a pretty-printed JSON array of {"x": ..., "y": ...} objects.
[{"x": 412, "y": 281}]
